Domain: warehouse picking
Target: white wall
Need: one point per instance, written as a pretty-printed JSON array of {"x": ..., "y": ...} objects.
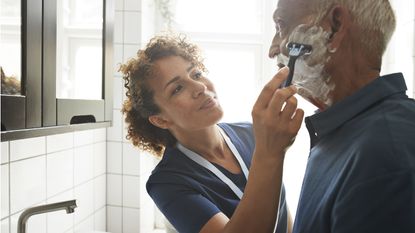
[
  {"x": 130, "y": 209},
  {"x": 400, "y": 55},
  {"x": 55, "y": 168}
]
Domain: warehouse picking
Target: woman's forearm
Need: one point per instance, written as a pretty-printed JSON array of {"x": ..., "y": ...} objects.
[{"x": 258, "y": 209}]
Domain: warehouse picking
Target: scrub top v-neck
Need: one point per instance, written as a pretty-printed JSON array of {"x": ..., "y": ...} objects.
[
  {"x": 189, "y": 195},
  {"x": 214, "y": 169}
]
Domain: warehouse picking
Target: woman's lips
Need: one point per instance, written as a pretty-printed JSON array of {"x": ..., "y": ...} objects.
[{"x": 209, "y": 103}]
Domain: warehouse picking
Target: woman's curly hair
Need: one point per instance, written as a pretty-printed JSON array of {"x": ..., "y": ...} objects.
[{"x": 140, "y": 105}]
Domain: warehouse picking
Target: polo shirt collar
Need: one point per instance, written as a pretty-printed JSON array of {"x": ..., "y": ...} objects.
[{"x": 322, "y": 123}]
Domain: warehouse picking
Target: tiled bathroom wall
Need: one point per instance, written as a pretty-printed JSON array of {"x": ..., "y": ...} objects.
[
  {"x": 130, "y": 210},
  {"x": 50, "y": 169}
]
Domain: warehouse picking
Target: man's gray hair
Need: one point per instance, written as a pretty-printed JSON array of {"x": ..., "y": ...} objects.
[{"x": 374, "y": 17}]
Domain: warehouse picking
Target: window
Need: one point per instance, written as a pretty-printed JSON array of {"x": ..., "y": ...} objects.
[
  {"x": 79, "y": 49},
  {"x": 232, "y": 34}
]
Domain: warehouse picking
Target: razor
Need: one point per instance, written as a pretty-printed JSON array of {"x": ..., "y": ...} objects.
[{"x": 295, "y": 50}]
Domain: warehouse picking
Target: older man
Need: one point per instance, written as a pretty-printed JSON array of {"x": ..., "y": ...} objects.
[{"x": 360, "y": 175}]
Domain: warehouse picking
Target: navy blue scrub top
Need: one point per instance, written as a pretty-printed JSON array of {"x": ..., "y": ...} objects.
[
  {"x": 189, "y": 194},
  {"x": 360, "y": 175}
]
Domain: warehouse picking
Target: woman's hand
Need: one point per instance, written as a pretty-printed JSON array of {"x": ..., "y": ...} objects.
[{"x": 276, "y": 118}]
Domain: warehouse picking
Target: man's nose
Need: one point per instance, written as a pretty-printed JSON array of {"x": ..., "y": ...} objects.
[{"x": 274, "y": 49}]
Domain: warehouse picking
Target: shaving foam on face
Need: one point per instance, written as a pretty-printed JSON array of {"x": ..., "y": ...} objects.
[{"x": 310, "y": 78}]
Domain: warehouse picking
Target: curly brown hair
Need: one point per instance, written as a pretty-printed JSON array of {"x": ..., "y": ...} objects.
[{"x": 140, "y": 105}]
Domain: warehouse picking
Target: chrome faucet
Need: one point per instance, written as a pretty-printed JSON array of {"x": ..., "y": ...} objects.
[{"x": 69, "y": 206}]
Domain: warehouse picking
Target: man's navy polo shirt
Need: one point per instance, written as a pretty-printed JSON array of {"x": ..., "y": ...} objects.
[{"x": 360, "y": 175}]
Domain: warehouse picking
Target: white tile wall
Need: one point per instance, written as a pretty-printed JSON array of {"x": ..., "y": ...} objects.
[
  {"x": 132, "y": 5},
  {"x": 100, "y": 162},
  {"x": 118, "y": 27},
  {"x": 4, "y": 152},
  {"x": 117, "y": 92},
  {"x": 59, "y": 142},
  {"x": 118, "y": 60},
  {"x": 100, "y": 220},
  {"x": 4, "y": 228},
  {"x": 131, "y": 220},
  {"x": 130, "y": 51},
  {"x": 4, "y": 191},
  {"x": 85, "y": 225},
  {"x": 100, "y": 192},
  {"x": 114, "y": 157},
  {"x": 83, "y": 138},
  {"x": 60, "y": 172},
  {"x": 114, "y": 219},
  {"x": 84, "y": 195},
  {"x": 127, "y": 167},
  {"x": 100, "y": 135},
  {"x": 114, "y": 190},
  {"x": 27, "y": 183},
  {"x": 114, "y": 133},
  {"x": 131, "y": 160},
  {"x": 132, "y": 32},
  {"x": 51, "y": 169},
  {"x": 119, "y": 5},
  {"x": 131, "y": 191},
  {"x": 83, "y": 164},
  {"x": 26, "y": 148}
]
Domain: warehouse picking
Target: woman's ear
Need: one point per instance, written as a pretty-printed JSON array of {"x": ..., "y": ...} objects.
[
  {"x": 340, "y": 22},
  {"x": 158, "y": 121}
]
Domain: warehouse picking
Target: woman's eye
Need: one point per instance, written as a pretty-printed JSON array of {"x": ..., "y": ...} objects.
[
  {"x": 197, "y": 75},
  {"x": 177, "y": 89}
]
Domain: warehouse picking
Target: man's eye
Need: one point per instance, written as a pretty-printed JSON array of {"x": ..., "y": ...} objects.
[{"x": 280, "y": 27}]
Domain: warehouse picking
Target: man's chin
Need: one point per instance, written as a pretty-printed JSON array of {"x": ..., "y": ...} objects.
[{"x": 318, "y": 102}]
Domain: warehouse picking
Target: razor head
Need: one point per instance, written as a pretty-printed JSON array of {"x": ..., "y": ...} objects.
[{"x": 297, "y": 49}]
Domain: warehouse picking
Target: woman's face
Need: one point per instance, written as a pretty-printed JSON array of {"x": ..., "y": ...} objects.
[{"x": 187, "y": 99}]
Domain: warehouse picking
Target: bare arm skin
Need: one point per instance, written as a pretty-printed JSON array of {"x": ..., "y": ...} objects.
[{"x": 276, "y": 121}]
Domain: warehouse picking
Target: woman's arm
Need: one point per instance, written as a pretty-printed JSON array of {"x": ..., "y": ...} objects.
[{"x": 276, "y": 121}]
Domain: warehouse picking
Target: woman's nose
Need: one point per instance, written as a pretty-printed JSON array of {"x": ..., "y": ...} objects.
[{"x": 199, "y": 89}]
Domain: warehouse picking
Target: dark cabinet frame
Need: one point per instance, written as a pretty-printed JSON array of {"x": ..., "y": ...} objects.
[{"x": 38, "y": 112}]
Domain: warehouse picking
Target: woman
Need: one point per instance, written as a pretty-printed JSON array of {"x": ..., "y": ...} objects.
[{"x": 212, "y": 177}]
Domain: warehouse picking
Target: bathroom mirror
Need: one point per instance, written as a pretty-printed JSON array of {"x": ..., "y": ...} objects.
[
  {"x": 10, "y": 47},
  {"x": 79, "y": 50}
]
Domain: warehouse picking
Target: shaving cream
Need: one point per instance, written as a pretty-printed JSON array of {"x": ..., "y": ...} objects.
[{"x": 310, "y": 77}]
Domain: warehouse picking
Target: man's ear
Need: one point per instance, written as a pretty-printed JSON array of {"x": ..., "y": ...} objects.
[
  {"x": 158, "y": 121},
  {"x": 340, "y": 22}
]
